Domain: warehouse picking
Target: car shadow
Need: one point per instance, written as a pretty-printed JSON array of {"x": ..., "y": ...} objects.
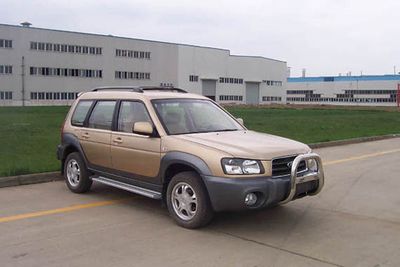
[{"x": 279, "y": 218}]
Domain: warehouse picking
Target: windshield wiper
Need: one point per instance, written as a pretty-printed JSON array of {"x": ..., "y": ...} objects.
[
  {"x": 226, "y": 130},
  {"x": 213, "y": 131}
]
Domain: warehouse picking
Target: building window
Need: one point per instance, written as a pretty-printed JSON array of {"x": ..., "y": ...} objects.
[
  {"x": 56, "y": 96},
  {"x": 132, "y": 54},
  {"x": 56, "y": 47},
  {"x": 132, "y": 75},
  {"x": 53, "y": 95},
  {"x": 41, "y": 46},
  {"x": 272, "y": 98},
  {"x": 34, "y": 46},
  {"x": 66, "y": 72},
  {"x": 273, "y": 83},
  {"x": 66, "y": 48},
  {"x": 164, "y": 84},
  {"x": 231, "y": 80},
  {"x": 230, "y": 98},
  {"x": 349, "y": 96},
  {"x": 5, "y": 43},
  {"x": 7, "y": 95},
  {"x": 193, "y": 78},
  {"x": 6, "y": 69}
]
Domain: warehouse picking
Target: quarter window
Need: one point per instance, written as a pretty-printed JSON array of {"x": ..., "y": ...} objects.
[
  {"x": 102, "y": 115},
  {"x": 80, "y": 113}
]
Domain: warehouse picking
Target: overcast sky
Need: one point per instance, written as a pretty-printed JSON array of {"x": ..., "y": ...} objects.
[{"x": 326, "y": 37}]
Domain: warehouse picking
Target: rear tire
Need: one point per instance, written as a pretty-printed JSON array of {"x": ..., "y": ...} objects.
[
  {"x": 76, "y": 174},
  {"x": 188, "y": 202}
]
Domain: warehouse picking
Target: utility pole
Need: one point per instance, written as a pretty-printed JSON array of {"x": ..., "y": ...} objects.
[{"x": 23, "y": 80}]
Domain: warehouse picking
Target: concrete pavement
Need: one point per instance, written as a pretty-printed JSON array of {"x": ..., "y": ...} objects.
[{"x": 355, "y": 221}]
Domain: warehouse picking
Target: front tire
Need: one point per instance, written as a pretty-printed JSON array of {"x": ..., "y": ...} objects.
[
  {"x": 187, "y": 200},
  {"x": 76, "y": 174}
]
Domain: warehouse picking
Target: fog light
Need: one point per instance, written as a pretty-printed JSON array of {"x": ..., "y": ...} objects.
[{"x": 250, "y": 199}]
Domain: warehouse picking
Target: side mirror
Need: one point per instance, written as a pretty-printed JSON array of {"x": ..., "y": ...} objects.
[
  {"x": 142, "y": 127},
  {"x": 240, "y": 120}
]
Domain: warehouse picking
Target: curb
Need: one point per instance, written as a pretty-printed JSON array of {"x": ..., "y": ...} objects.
[
  {"x": 30, "y": 179},
  {"x": 56, "y": 176},
  {"x": 353, "y": 141}
]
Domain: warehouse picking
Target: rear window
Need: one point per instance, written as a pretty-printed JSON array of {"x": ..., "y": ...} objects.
[
  {"x": 80, "y": 112},
  {"x": 102, "y": 115}
]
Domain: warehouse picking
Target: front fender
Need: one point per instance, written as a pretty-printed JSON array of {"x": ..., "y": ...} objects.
[{"x": 190, "y": 160}]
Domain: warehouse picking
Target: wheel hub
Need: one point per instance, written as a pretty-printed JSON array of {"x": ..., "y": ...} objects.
[
  {"x": 73, "y": 172},
  {"x": 184, "y": 201}
]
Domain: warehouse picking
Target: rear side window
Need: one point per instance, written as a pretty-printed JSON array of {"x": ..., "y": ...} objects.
[
  {"x": 80, "y": 112},
  {"x": 102, "y": 115}
]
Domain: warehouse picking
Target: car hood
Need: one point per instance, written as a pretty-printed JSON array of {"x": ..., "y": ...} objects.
[{"x": 248, "y": 144}]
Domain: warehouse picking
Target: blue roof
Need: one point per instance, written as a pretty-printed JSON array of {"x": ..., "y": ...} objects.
[{"x": 388, "y": 77}]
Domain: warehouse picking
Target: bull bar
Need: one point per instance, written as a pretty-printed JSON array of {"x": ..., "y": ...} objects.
[{"x": 295, "y": 178}]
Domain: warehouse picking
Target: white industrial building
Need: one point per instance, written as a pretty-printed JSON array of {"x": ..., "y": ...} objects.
[
  {"x": 365, "y": 90},
  {"x": 50, "y": 67}
]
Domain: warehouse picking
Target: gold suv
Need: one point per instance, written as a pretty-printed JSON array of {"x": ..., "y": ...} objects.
[{"x": 184, "y": 149}]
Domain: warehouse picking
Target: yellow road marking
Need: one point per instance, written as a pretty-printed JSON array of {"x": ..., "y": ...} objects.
[
  {"x": 59, "y": 210},
  {"x": 360, "y": 157},
  {"x": 112, "y": 202}
]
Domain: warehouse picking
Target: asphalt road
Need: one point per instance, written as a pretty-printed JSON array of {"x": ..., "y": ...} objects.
[{"x": 355, "y": 221}]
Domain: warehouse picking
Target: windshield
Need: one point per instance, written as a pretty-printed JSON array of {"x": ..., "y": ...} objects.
[{"x": 183, "y": 116}]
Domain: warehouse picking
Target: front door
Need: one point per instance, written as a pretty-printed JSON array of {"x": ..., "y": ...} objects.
[
  {"x": 134, "y": 154},
  {"x": 95, "y": 139}
]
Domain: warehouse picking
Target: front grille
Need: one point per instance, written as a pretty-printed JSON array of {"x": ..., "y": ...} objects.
[{"x": 281, "y": 167}]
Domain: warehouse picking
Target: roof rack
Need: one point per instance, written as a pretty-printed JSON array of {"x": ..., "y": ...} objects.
[
  {"x": 118, "y": 88},
  {"x": 138, "y": 89},
  {"x": 167, "y": 89}
]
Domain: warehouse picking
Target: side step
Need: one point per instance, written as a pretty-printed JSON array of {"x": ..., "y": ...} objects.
[{"x": 131, "y": 188}]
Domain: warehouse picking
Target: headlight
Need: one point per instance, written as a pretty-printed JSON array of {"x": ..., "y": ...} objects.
[
  {"x": 241, "y": 166},
  {"x": 312, "y": 165}
]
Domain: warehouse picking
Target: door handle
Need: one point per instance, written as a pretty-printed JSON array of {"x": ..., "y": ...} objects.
[
  {"x": 85, "y": 135},
  {"x": 117, "y": 140}
]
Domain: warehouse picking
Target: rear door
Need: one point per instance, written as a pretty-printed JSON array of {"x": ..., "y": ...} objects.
[
  {"x": 133, "y": 154},
  {"x": 95, "y": 138}
]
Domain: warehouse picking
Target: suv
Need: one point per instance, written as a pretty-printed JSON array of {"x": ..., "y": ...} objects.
[{"x": 184, "y": 149}]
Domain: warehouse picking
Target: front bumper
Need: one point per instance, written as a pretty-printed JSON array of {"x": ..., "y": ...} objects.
[{"x": 229, "y": 193}]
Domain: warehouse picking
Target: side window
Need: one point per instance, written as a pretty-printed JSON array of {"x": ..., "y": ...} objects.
[
  {"x": 80, "y": 112},
  {"x": 102, "y": 115},
  {"x": 131, "y": 112}
]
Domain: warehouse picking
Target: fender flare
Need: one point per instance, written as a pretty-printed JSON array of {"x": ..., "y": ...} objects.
[
  {"x": 190, "y": 160},
  {"x": 70, "y": 140}
]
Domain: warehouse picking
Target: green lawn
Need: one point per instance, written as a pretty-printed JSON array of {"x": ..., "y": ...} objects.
[
  {"x": 312, "y": 125},
  {"x": 29, "y": 138},
  {"x": 29, "y": 135}
]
